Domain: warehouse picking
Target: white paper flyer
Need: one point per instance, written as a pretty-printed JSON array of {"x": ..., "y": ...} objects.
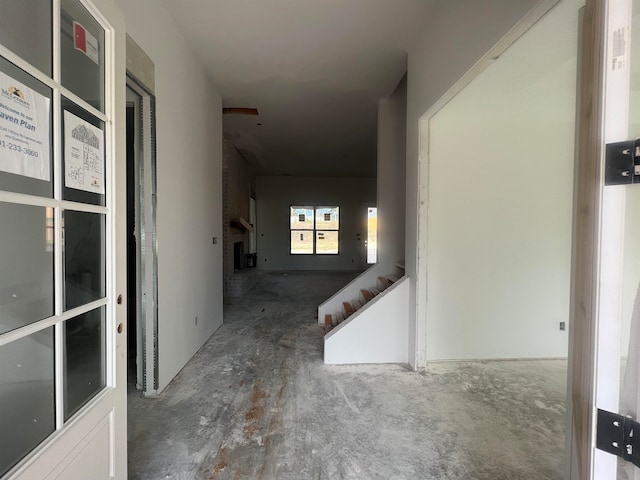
[
  {"x": 83, "y": 155},
  {"x": 25, "y": 125}
]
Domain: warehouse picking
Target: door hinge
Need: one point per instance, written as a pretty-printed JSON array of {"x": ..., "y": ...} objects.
[
  {"x": 618, "y": 435},
  {"x": 622, "y": 163}
]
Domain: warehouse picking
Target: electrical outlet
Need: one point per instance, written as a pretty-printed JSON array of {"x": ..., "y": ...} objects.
[
  {"x": 563, "y": 326},
  {"x": 215, "y": 240},
  {"x": 196, "y": 321}
]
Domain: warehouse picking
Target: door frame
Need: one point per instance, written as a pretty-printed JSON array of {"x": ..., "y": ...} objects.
[
  {"x": 582, "y": 332},
  {"x": 582, "y": 327},
  {"x": 595, "y": 357},
  {"x": 147, "y": 254},
  {"x": 419, "y": 361}
]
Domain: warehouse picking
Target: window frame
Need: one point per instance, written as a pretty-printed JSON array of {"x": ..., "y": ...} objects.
[{"x": 314, "y": 230}]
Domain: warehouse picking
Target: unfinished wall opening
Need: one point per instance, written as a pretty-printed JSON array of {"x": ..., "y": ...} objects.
[
  {"x": 142, "y": 257},
  {"x": 239, "y": 258},
  {"x": 499, "y": 194},
  {"x": 501, "y": 160},
  {"x": 142, "y": 273},
  {"x": 238, "y": 222}
]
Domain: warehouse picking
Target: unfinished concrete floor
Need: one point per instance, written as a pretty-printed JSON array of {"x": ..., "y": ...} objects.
[{"x": 256, "y": 402}]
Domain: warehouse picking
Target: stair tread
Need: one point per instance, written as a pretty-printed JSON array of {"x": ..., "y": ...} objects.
[
  {"x": 366, "y": 294},
  {"x": 348, "y": 308}
]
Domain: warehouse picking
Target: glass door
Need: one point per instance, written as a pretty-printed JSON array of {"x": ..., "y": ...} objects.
[{"x": 57, "y": 238}]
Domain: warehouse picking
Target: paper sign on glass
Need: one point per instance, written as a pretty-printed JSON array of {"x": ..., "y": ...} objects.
[
  {"x": 83, "y": 155},
  {"x": 85, "y": 42},
  {"x": 25, "y": 124}
]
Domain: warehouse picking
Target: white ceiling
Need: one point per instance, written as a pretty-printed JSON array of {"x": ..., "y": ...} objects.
[{"x": 314, "y": 69}]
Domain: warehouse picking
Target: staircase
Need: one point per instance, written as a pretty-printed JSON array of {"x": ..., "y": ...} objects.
[
  {"x": 367, "y": 321},
  {"x": 349, "y": 307}
]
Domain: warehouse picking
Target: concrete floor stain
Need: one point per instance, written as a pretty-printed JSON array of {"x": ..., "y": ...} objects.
[
  {"x": 251, "y": 430},
  {"x": 217, "y": 469},
  {"x": 285, "y": 418},
  {"x": 258, "y": 392},
  {"x": 254, "y": 413},
  {"x": 221, "y": 465}
]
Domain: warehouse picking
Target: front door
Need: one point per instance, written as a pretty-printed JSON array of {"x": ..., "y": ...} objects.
[
  {"x": 62, "y": 240},
  {"x": 606, "y": 340}
]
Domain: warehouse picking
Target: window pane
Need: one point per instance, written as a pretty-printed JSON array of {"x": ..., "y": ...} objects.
[
  {"x": 327, "y": 218},
  {"x": 26, "y": 265},
  {"x": 301, "y": 218},
  {"x": 83, "y": 155},
  {"x": 327, "y": 241},
  {"x": 27, "y": 400},
  {"x": 25, "y": 148},
  {"x": 82, "y": 53},
  {"x": 84, "y": 359},
  {"x": 84, "y": 258},
  {"x": 301, "y": 241},
  {"x": 372, "y": 235},
  {"x": 25, "y": 29}
]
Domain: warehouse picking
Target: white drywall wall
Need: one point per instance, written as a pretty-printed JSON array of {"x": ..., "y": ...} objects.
[
  {"x": 377, "y": 333},
  {"x": 392, "y": 138},
  {"x": 274, "y": 196},
  {"x": 456, "y": 36},
  {"x": 500, "y": 202},
  {"x": 189, "y": 168}
]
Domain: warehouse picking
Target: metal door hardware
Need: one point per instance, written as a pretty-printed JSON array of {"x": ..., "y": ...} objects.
[
  {"x": 618, "y": 435},
  {"x": 622, "y": 163}
]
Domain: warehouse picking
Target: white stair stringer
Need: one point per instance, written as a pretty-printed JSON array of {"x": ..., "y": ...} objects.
[{"x": 377, "y": 333}]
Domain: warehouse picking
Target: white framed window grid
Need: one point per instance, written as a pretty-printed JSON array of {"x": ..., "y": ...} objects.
[
  {"x": 57, "y": 205},
  {"x": 314, "y": 230}
]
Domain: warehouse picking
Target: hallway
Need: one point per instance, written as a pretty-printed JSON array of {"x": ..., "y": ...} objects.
[{"x": 256, "y": 402}]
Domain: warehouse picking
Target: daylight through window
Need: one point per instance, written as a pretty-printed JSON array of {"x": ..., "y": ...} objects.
[{"x": 314, "y": 230}]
